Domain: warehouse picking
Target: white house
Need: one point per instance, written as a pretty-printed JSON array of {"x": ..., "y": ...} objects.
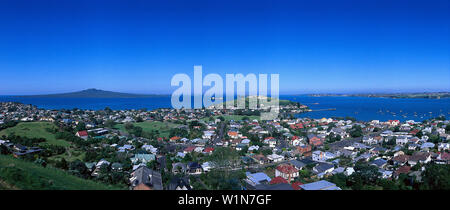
[
  {"x": 443, "y": 146},
  {"x": 401, "y": 140},
  {"x": 320, "y": 156},
  {"x": 275, "y": 158}
]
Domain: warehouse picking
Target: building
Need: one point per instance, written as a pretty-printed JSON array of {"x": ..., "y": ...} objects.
[
  {"x": 194, "y": 168},
  {"x": 287, "y": 171},
  {"x": 320, "y": 156},
  {"x": 320, "y": 185},
  {"x": 82, "y": 134},
  {"x": 314, "y": 140},
  {"x": 144, "y": 178},
  {"x": 419, "y": 157},
  {"x": 257, "y": 178},
  {"x": 323, "y": 169}
]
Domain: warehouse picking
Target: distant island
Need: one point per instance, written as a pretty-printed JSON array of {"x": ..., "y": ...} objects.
[
  {"x": 92, "y": 93},
  {"x": 433, "y": 95}
]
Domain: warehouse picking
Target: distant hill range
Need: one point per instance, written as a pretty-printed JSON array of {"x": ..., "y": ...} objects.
[
  {"x": 431, "y": 95},
  {"x": 93, "y": 93}
]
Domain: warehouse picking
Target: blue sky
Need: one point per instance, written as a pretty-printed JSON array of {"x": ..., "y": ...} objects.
[{"x": 137, "y": 46}]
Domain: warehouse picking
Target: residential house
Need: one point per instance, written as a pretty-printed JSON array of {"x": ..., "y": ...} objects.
[
  {"x": 194, "y": 168},
  {"x": 179, "y": 183},
  {"x": 402, "y": 170},
  {"x": 275, "y": 158},
  {"x": 443, "y": 158},
  {"x": 297, "y": 164},
  {"x": 257, "y": 178},
  {"x": 261, "y": 159},
  {"x": 323, "y": 169},
  {"x": 179, "y": 168},
  {"x": 401, "y": 140},
  {"x": 369, "y": 140},
  {"x": 144, "y": 178},
  {"x": 314, "y": 140},
  {"x": 320, "y": 156},
  {"x": 380, "y": 162},
  {"x": 142, "y": 158},
  {"x": 320, "y": 185},
  {"x": 419, "y": 157},
  {"x": 287, "y": 171},
  {"x": 400, "y": 159},
  {"x": 304, "y": 150},
  {"x": 82, "y": 134}
]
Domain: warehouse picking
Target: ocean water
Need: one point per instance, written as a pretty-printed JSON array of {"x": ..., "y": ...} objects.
[
  {"x": 383, "y": 109},
  {"x": 94, "y": 103},
  {"x": 361, "y": 108}
]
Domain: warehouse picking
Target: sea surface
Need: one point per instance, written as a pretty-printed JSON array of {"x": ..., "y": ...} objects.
[{"x": 361, "y": 108}]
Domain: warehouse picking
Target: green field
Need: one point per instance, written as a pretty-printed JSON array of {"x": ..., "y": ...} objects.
[
  {"x": 35, "y": 130},
  {"x": 148, "y": 126},
  {"x": 70, "y": 155},
  {"x": 20, "y": 174}
]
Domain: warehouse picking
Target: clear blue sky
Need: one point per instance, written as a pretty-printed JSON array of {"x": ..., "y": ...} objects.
[{"x": 137, "y": 46}]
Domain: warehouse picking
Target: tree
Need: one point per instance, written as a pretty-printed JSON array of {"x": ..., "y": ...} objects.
[
  {"x": 356, "y": 131},
  {"x": 62, "y": 164},
  {"x": 152, "y": 164},
  {"x": 129, "y": 126},
  {"x": 4, "y": 150},
  {"x": 110, "y": 123},
  {"x": 364, "y": 174},
  {"x": 81, "y": 126},
  {"x": 339, "y": 179},
  {"x": 78, "y": 168},
  {"x": 266, "y": 152},
  {"x": 139, "y": 119},
  {"x": 436, "y": 177},
  {"x": 419, "y": 134},
  {"x": 224, "y": 157}
]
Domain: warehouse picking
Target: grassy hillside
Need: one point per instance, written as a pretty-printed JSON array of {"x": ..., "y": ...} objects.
[
  {"x": 35, "y": 130},
  {"x": 148, "y": 126},
  {"x": 20, "y": 174}
]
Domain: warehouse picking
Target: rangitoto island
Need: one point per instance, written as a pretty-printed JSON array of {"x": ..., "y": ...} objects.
[{"x": 93, "y": 93}]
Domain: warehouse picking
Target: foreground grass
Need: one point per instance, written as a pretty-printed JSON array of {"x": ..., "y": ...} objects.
[
  {"x": 148, "y": 126},
  {"x": 35, "y": 130},
  {"x": 20, "y": 174}
]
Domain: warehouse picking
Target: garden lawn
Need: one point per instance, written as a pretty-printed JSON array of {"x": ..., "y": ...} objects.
[{"x": 35, "y": 130}]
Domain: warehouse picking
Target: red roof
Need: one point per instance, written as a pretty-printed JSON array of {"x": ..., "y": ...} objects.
[
  {"x": 175, "y": 138},
  {"x": 278, "y": 180},
  {"x": 209, "y": 149},
  {"x": 286, "y": 169},
  {"x": 414, "y": 132},
  {"x": 401, "y": 158},
  {"x": 445, "y": 156},
  {"x": 82, "y": 133},
  {"x": 232, "y": 133},
  {"x": 189, "y": 149},
  {"x": 402, "y": 170},
  {"x": 296, "y": 185}
]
